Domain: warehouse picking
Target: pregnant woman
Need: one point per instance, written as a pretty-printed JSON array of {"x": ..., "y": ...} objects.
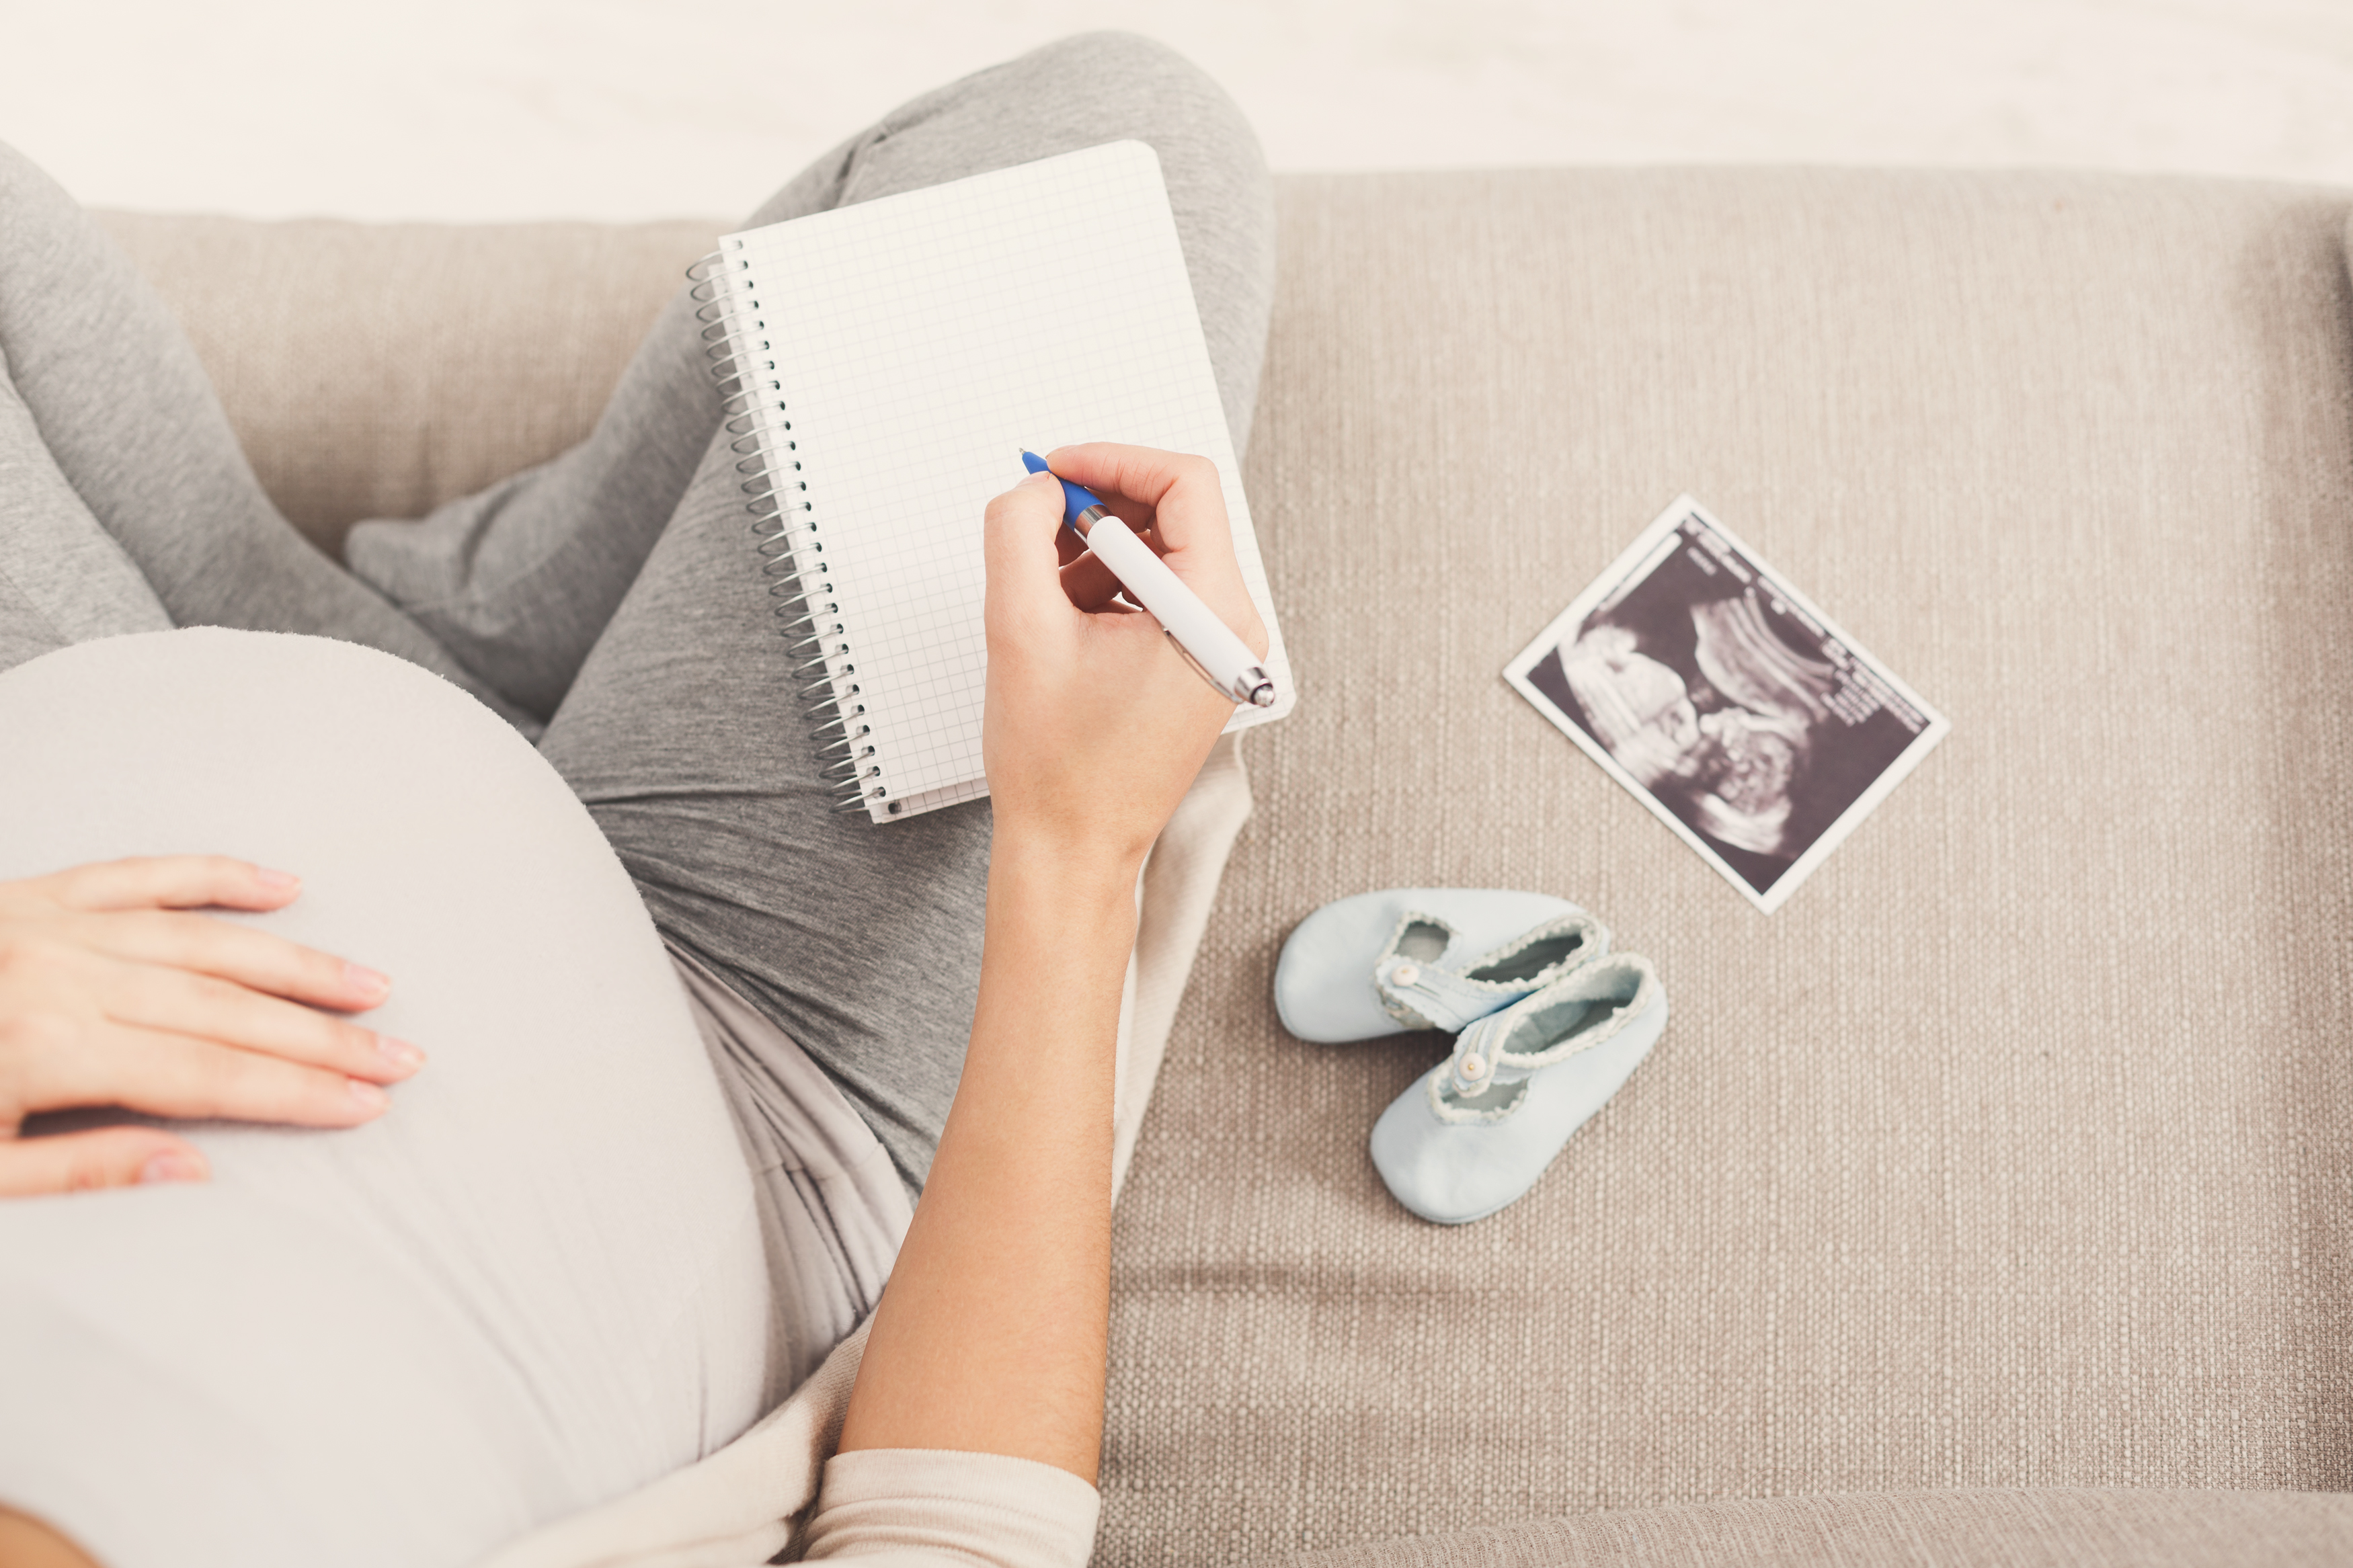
[{"x": 455, "y": 1067}]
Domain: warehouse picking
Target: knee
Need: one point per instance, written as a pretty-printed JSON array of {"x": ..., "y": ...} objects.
[
  {"x": 1128, "y": 85},
  {"x": 16, "y": 169},
  {"x": 1129, "y": 61},
  {"x": 26, "y": 189},
  {"x": 1122, "y": 86}
]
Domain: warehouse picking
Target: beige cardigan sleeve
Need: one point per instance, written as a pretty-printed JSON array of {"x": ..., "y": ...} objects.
[{"x": 918, "y": 1508}]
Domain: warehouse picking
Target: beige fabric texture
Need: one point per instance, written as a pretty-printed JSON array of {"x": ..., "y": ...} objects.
[
  {"x": 2012, "y": 1152},
  {"x": 376, "y": 370},
  {"x": 2047, "y": 1528}
]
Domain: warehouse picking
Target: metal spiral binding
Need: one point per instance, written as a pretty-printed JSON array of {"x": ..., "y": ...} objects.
[{"x": 784, "y": 528}]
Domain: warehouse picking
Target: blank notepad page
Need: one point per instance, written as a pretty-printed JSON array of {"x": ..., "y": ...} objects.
[{"x": 919, "y": 342}]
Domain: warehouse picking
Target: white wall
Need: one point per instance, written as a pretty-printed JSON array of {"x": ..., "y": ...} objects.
[{"x": 629, "y": 109}]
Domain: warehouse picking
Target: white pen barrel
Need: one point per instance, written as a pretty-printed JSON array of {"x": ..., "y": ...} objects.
[{"x": 1223, "y": 656}]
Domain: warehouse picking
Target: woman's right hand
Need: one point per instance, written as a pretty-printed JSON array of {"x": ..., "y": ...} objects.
[
  {"x": 1095, "y": 724},
  {"x": 112, "y": 993}
]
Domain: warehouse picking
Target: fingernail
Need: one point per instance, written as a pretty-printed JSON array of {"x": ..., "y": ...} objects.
[
  {"x": 269, "y": 879},
  {"x": 1041, "y": 479},
  {"x": 400, "y": 1054},
  {"x": 171, "y": 1168},
  {"x": 370, "y": 1097},
  {"x": 360, "y": 978}
]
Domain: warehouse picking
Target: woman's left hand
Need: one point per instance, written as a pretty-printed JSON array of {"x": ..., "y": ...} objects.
[{"x": 112, "y": 992}]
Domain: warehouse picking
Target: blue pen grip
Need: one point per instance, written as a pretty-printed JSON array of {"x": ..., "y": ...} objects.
[{"x": 1076, "y": 499}]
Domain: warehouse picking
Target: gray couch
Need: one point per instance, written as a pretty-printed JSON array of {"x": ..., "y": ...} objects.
[{"x": 1992, "y": 1202}]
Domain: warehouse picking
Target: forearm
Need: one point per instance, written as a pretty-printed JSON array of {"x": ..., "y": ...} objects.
[
  {"x": 26, "y": 1542},
  {"x": 990, "y": 1337}
]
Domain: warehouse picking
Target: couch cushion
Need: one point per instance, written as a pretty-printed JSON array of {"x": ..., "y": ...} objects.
[
  {"x": 2013, "y": 1151},
  {"x": 374, "y": 370},
  {"x": 2052, "y": 1529}
]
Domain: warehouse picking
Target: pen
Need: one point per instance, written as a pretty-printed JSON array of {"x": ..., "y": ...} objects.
[{"x": 1208, "y": 645}]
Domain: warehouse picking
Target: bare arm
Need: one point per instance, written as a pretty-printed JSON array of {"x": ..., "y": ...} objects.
[
  {"x": 991, "y": 1335},
  {"x": 26, "y": 1542}
]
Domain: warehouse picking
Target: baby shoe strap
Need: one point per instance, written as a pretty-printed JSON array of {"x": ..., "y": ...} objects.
[
  {"x": 1483, "y": 1060},
  {"x": 1625, "y": 981},
  {"x": 1470, "y": 1072},
  {"x": 1428, "y": 994},
  {"x": 1478, "y": 1052},
  {"x": 1410, "y": 989},
  {"x": 1424, "y": 997}
]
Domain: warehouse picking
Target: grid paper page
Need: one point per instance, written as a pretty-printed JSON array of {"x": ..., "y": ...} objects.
[{"x": 921, "y": 342}]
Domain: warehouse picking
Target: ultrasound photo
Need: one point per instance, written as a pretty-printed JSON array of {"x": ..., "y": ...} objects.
[{"x": 1726, "y": 702}]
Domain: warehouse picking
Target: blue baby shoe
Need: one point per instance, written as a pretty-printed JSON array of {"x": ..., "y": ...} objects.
[
  {"x": 1477, "y": 1131},
  {"x": 1424, "y": 957}
]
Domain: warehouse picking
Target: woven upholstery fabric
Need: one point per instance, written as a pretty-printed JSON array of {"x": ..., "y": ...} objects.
[
  {"x": 1970, "y": 1529},
  {"x": 2011, "y": 1152},
  {"x": 2014, "y": 1149},
  {"x": 374, "y": 370}
]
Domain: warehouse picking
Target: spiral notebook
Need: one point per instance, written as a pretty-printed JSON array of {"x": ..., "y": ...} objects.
[{"x": 886, "y": 363}]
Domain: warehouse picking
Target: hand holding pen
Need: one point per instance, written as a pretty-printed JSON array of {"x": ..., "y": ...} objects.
[
  {"x": 1093, "y": 728},
  {"x": 1199, "y": 634}
]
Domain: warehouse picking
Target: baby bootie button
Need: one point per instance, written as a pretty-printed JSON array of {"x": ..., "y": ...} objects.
[
  {"x": 1461, "y": 1142},
  {"x": 1471, "y": 1074},
  {"x": 1405, "y": 975}
]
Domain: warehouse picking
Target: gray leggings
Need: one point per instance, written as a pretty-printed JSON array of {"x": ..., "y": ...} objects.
[{"x": 607, "y": 602}]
